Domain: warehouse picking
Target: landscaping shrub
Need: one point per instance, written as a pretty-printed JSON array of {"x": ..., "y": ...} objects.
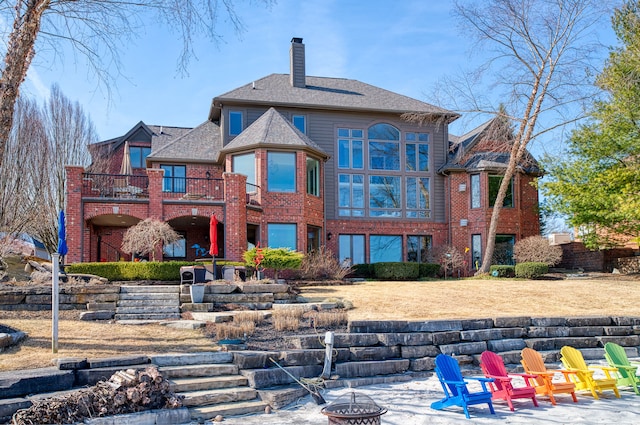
[
  {"x": 396, "y": 271},
  {"x": 536, "y": 249},
  {"x": 429, "y": 270},
  {"x": 362, "y": 270},
  {"x": 321, "y": 264},
  {"x": 145, "y": 270},
  {"x": 502, "y": 271},
  {"x": 531, "y": 270},
  {"x": 451, "y": 260},
  {"x": 276, "y": 259}
]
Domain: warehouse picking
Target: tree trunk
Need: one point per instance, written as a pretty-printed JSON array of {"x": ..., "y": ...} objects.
[{"x": 20, "y": 51}]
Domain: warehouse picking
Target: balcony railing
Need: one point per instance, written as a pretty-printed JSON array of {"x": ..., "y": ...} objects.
[
  {"x": 192, "y": 188},
  {"x": 177, "y": 188},
  {"x": 115, "y": 186}
]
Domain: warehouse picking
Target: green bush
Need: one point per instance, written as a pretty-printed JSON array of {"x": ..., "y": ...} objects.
[
  {"x": 502, "y": 271},
  {"x": 362, "y": 270},
  {"x": 396, "y": 271},
  {"x": 429, "y": 270},
  {"x": 531, "y": 270},
  {"x": 151, "y": 270},
  {"x": 274, "y": 258}
]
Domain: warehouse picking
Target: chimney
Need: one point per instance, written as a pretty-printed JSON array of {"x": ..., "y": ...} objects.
[{"x": 296, "y": 54}]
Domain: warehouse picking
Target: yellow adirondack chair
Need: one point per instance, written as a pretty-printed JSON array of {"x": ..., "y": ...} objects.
[
  {"x": 572, "y": 359},
  {"x": 627, "y": 371},
  {"x": 544, "y": 382}
]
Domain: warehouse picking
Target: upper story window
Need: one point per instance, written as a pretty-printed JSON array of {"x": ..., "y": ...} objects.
[
  {"x": 235, "y": 123},
  {"x": 475, "y": 191},
  {"x": 246, "y": 164},
  {"x": 313, "y": 176},
  {"x": 384, "y": 147},
  {"x": 416, "y": 152},
  {"x": 138, "y": 155},
  {"x": 281, "y": 171},
  {"x": 417, "y": 196},
  {"x": 494, "y": 186},
  {"x": 300, "y": 122},
  {"x": 174, "y": 178},
  {"x": 350, "y": 148}
]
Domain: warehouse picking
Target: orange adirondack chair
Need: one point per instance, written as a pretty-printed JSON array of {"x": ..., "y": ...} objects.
[
  {"x": 572, "y": 359},
  {"x": 544, "y": 383},
  {"x": 493, "y": 367}
]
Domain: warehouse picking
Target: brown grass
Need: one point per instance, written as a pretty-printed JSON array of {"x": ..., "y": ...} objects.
[{"x": 372, "y": 300}]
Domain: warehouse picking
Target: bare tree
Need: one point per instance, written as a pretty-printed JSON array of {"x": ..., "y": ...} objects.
[
  {"x": 144, "y": 237},
  {"x": 542, "y": 57},
  {"x": 21, "y": 188},
  {"x": 97, "y": 30}
]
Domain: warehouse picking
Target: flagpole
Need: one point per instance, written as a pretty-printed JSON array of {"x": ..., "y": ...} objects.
[{"x": 54, "y": 302}]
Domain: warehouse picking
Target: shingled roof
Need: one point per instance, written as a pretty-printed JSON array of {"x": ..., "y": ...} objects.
[
  {"x": 201, "y": 144},
  {"x": 324, "y": 93},
  {"x": 273, "y": 130}
]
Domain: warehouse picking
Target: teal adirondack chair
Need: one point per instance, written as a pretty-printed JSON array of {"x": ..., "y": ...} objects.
[
  {"x": 627, "y": 371},
  {"x": 456, "y": 392}
]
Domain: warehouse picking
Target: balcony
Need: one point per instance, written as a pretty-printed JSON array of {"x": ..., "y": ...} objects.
[
  {"x": 193, "y": 189},
  {"x": 115, "y": 186}
]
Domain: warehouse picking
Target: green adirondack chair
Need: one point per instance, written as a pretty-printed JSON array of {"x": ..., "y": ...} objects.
[{"x": 627, "y": 371}]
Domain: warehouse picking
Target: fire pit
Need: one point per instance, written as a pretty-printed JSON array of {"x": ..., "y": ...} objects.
[{"x": 353, "y": 409}]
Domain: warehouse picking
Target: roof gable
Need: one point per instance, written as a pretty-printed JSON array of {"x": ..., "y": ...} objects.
[
  {"x": 273, "y": 130},
  {"x": 200, "y": 144}
]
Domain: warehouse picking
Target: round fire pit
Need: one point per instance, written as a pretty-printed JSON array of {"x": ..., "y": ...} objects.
[{"x": 353, "y": 409}]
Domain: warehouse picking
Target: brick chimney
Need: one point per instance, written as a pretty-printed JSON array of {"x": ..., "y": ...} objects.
[{"x": 297, "y": 76}]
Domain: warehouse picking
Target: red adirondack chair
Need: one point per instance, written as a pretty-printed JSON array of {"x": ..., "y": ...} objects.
[{"x": 502, "y": 387}]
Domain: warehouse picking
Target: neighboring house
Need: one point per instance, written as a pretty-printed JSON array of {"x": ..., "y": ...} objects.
[{"x": 301, "y": 162}]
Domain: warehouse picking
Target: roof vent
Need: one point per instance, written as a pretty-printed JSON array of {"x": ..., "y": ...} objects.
[{"x": 297, "y": 62}]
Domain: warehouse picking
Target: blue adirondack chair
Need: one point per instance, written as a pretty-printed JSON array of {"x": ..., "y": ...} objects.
[{"x": 456, "y": 392}]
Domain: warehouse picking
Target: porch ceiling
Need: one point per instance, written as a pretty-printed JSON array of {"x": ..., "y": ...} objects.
[{"x": 114, "y": 220}]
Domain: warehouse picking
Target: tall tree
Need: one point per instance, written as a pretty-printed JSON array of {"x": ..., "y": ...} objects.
[
  {"x": 597, "y": 186},
  {"x": 541, "y": 61},
  {"x": 96, "y": 29}
]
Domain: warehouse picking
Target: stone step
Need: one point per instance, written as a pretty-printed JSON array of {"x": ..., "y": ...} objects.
[
  {"x": 181, "y": 359},
  {"x": 144, "y": 303},
  {"x": 199, "y": 370},
  {"x": 204, "y": 413},
  {"x": 147, "y": 310},
  {"x": 218, "y": 396},
  {"x": 149, "y": 316},
  {"x": 131, "y": 289},
  {"x": 207, "y": 383},
  {"x": 148, "y": 296}
]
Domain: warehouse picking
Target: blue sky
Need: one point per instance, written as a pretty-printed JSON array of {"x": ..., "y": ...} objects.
[{"x": 404, "y": 46}]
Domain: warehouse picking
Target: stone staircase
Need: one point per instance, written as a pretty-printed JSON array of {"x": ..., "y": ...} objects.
[
  {"x": 211, "y": 385},
  {"x": 138, "y": 303}
]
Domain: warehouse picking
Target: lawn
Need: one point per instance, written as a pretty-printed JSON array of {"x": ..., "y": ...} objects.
[{"x": 448, "y": 299}]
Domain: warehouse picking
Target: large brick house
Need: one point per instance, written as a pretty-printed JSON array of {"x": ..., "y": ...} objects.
[{"x": 302, "y": 162}]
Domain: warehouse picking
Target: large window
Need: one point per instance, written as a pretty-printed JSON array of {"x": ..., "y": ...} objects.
[
  {"x": 351, "y": 249},
  {"x": 385, "y": 248},
  {"x": 139, "y": 156},
  {"x": 174, "y": 178},
  {"x": 384, "y": 196},
  {"x": 350, "y": 148},
  {"x": 384, "y": 147},
  {"x": 282, "y": 235},
  {"x": 475, "y": 191},
  {"x": 416, "y": 152},
  {"x": 281, "y": 171},
  {"x": 494, "y": 186},
  {"x": 313, "y": 176},
  {"x": 418, "y": 197},
  {"x": 300, "y": 122},
  {"x": 178, "y": 249},
  {"x": 351, "y": 195},
  {"x": 246, "y": 164},
  {"x": 503, "y": 251},
  {"x": 236, "y": 123},
  {"x": 418, "y": 248}
]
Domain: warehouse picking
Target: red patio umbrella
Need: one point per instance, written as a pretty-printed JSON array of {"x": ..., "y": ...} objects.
[{"x": 213, "y": 237}]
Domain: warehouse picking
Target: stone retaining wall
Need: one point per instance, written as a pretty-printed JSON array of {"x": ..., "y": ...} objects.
[{"x": 72, "y": 297}]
